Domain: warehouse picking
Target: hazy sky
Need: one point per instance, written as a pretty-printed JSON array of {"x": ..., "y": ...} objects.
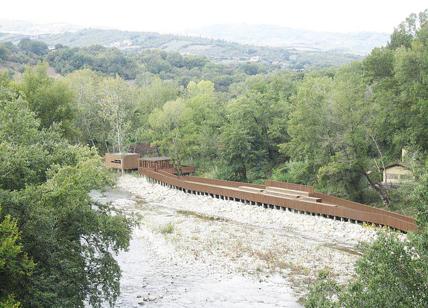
[{"x": 177, "y": 15}]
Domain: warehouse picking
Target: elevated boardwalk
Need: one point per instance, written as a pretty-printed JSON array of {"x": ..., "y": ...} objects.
[{"x": 285, "y": 196}]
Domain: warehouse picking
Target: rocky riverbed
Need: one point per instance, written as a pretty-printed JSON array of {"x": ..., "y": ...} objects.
[{"x": 197, "y": 251}]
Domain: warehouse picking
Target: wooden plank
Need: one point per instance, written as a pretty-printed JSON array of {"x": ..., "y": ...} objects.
[{"x": 287, "y": 191}]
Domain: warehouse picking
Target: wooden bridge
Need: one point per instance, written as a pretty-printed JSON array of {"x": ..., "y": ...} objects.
[
  {"x": 283, "y": 196},
  {"x": 279, "y": 195}
]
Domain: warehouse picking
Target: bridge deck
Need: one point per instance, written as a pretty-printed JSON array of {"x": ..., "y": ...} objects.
[{"x": 284, "y": 196}]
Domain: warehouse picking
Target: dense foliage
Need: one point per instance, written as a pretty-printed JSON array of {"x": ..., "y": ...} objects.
[
  {"x": 393, "y": 271},
  {"x": 56, "y": 246},
  {"x": 334, "y": 129}
]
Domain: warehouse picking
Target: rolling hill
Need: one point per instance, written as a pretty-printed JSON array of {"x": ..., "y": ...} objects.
[{"x": 220, "y": 51}]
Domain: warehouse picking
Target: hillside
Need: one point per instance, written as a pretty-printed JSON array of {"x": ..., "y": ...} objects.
[
  {"x": 360, "y": 43},
  {"x": 219, "y": 51}
]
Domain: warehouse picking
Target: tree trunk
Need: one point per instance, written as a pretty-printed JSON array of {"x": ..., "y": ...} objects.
[{"x": 379, "y": 189}]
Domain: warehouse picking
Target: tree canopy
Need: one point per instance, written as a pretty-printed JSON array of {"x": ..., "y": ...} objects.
[{"x": 56, "y": 246}]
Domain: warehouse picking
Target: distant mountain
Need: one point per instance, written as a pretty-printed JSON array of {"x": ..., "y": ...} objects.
[{"x": 360, "y": 43}]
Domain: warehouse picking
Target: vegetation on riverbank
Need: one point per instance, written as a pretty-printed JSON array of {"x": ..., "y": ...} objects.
[
  {"x": 393, "y": 272},
  {"x": 56, "y": 246}
]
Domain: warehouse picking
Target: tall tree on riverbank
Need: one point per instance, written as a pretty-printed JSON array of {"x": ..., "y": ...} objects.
[
  {"x": 256, "y": 124},
  {"x": 393, "y": 272},
  {"x": 50, "y": 99},
  {"x": 187, "y": 128},
  {"x": 44, "y": 191}
]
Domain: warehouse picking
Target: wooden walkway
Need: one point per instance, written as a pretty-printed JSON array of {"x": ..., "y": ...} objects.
[{"x": 285, "y": 196}]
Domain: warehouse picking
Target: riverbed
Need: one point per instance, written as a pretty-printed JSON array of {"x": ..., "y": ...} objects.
[{"x": 198, "y": 251}]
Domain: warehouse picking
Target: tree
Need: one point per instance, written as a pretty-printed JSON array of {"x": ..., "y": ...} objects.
[
  {"x": 404, "y": 34},
  {"x": 109, "y": 61},
  {"x": 256, "y": 123},
  {"x": 44, "y": 189},
  {"x": 164, "y": 130},
  {"x": 50, "y": 99},
  {"x": 308, "y": 127},
  {"x": 393, "y": 272},
  {"x": 15, "y": 266},
  {"x": 186, "y": 129},
  {"x": 36, "y": 47},
  {"x": 116, "y": 104},
  {"x": 108, "y": 112}
]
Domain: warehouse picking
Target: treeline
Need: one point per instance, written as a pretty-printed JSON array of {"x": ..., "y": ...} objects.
[
  {"x": 219, "y": 51},
  {"x": 393, "y": 271}
]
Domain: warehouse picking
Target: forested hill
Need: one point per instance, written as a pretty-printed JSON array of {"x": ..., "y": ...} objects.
[
  {"x": 217, "y": 50},
  {"x": 143, "y": 64},
  {"x": 137, "y": 67}
]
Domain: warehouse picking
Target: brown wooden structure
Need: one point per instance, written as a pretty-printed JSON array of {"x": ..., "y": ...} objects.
[
  {"x": 156, "y": 163},
  {"x": 164, "y": 163},
  {"x": 280, "y": 195},
  {"x": 122, "y": 161}
]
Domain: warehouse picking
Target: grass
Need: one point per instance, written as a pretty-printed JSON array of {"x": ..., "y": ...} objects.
[
  {"x": 349, "y": 250},
  {"x": 167, "y": 229},
  {"x": 200, "y": 216}
]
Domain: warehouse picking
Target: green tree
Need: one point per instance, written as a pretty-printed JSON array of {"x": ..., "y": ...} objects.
[
  {"x": 404, "y": 34},
  {"x": 393, "y": 272},
  {"x": 44, "y": 186},
  {"x": 50, "y": 99},
  {"x": 37, "y": 47},
  {"x": 187, "y": 128},
  {"x": 308, "y": 127},
  {"x": 15, "y": 266},
  {"x": 107, "y": 110},
  {"x": 256, "y": 123}
]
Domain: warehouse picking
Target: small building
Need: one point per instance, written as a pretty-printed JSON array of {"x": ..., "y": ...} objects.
[
  {"x": 396, "y": 174},
  {"x": 122, "y": 161}
]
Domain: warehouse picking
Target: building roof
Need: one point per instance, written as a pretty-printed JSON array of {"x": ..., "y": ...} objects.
[
  {"x": 396, "y": 165},
  {"x": 159, "y": 158}
]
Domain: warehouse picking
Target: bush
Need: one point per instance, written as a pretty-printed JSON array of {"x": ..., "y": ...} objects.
[{"x": 167, "y": 229}]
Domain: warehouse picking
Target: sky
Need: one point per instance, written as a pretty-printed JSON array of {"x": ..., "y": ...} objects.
[{"x": 169, "y": 16}]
